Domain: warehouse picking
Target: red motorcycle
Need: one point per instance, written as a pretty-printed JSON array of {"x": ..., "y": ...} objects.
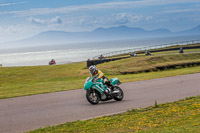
[{"x": 52, "y": 62}]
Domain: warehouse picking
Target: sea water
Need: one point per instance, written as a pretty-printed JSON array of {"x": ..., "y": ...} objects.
[{"x": 67, "y": 53}]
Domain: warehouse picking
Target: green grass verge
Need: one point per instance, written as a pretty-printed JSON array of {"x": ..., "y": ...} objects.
[
  {"x": 23, "y": 81},
  {"x": 182, "y": 116}
]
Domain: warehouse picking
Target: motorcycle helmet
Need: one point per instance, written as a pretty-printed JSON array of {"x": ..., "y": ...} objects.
[{"x": 93, "y": 69}]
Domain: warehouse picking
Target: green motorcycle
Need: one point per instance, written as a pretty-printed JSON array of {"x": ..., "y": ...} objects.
[{"x": 97, "y": 91}]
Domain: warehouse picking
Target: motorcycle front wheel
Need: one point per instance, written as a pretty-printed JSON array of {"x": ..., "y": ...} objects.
[
  {"x": 119, "y": 96},
  {"x": 92, "y": 97}
]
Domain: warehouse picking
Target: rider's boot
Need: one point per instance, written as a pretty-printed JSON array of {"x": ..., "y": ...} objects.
[
  {"x": 110, "y": 85},
  {"x": 107, "y": 91}
]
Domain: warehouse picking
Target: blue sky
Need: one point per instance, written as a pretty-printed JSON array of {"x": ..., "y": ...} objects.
[{"x": 24, "y": 18}]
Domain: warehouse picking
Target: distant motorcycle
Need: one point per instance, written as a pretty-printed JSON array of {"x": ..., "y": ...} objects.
[
  {"x": 95, "y": 90},
  {"x": 52, "y": 62}
]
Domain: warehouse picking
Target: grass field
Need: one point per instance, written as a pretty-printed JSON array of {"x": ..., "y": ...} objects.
[
  {"x": 178, "y": 117},
  {"x": 181, "y": 116},
  {"x": 138, "y": 64},
  {"x": 22, "y": 81}
]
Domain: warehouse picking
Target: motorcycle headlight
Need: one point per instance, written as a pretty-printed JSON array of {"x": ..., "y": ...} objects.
[{"x": 118, "y": 83}]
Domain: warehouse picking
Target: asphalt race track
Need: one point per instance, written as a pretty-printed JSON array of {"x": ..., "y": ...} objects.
[{"x": 32, "y": 112}]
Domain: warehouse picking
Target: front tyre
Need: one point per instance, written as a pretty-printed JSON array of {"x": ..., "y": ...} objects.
[
  {"x": 120, "y": 95},
  {"x": 92, "y": 97}
]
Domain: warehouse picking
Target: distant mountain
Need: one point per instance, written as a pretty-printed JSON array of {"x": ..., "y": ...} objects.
[
  {"x": 128, "y": 32},
  {"x": 100, "y": 34},
  {"x": 193, "y": 31}
]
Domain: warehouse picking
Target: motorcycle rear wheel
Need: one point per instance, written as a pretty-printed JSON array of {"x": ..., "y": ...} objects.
[{"x": 92, "y": 97}]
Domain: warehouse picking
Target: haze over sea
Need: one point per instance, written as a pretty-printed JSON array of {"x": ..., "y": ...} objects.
[{"x": 66, "y": 53}]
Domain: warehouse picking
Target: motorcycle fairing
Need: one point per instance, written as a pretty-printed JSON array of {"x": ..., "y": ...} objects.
[
  {"x": 114, "y": 81},
  {"x": 97, "y": 85}
]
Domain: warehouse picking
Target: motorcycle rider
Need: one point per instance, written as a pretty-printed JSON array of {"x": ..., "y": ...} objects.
[{"x": 97, "y": 73}]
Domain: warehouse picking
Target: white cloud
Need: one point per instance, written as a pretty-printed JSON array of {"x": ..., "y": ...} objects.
[
  {"x": 36, "y": 20},
  {"x": 56, "y": 20},
  {"x": 124, "y": 18},
  {"x": 17, "y": 28},
  {"x": 9, "y": 4},
  {"x": 16, "y": 32},
  {"x": 88, "y": 22},
  {"x": 99, "y": 6}
]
